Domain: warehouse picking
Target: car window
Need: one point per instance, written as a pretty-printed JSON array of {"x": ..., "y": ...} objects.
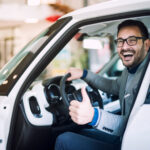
[
  {"x": 86, "y": 51},
  {"x": 115, "y": 70},
  {"x": 15, "y": 67}
]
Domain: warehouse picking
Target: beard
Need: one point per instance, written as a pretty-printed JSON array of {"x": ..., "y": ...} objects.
[{"x": 131, "y": 57}]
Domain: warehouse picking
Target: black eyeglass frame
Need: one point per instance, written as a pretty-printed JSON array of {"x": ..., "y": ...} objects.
[{"x": 126, "y": 40}]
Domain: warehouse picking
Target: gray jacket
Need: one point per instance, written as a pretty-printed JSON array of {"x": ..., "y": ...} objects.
[{"x": 125, "y": 87}]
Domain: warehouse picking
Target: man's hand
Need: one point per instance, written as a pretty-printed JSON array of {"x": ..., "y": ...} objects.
[
  {"x": 75, "y": 73},
  {"x": 81, "y": 112}
]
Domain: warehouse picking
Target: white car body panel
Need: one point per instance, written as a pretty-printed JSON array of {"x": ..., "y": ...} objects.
[
  {"x": 138, "y": 132},
  {"x": 4, "y": 115},
  {"x": 138, "y": 126},
  {"x": 109, "y": 8}
]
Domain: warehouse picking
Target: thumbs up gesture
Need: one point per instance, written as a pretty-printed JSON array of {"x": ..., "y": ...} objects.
[{"x": 81, "y": 112}]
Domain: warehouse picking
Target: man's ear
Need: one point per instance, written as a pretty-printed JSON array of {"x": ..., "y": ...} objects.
[{"x": 147, "y": 44}]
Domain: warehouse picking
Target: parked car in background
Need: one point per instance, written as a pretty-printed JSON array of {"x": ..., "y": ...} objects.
[{"x": 32, "y": 108}]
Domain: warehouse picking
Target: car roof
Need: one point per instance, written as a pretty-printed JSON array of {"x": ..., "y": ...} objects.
[
  {"x": 109, "y": 8},
  {"x": 109, "y": 27}
]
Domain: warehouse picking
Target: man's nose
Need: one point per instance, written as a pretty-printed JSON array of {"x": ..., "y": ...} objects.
[{"x": 125, "y": 45}]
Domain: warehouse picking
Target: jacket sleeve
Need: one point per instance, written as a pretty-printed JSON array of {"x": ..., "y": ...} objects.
[
  {"x": 111, "y": 123},
  {"x": 107, "y": 122},
  {"x": 110, "y": 86}
]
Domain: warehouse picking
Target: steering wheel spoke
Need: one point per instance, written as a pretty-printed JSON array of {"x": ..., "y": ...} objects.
[{"x": 93, "y": 93}]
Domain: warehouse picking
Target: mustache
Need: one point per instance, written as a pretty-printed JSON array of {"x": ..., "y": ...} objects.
[{"x": 127, "y": 50}]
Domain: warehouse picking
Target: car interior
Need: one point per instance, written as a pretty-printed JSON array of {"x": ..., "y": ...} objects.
[{"x": 43, "y": 109}]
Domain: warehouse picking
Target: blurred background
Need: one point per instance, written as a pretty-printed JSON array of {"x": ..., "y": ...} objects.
[{"x": 22, "y": 20}]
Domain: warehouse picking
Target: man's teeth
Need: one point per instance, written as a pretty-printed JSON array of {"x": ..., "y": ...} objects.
[{"x": 128, "y": 54}]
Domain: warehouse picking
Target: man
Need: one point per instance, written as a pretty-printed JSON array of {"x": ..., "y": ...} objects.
[{"x": 132, "y": 47}]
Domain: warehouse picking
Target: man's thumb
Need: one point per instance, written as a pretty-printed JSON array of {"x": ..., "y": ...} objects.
[{"x": 85, "y": 97}]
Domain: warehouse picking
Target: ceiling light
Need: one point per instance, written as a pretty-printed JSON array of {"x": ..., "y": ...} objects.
[
  {"x": 33, "y": 2},
  {"x": 31, "y": 20},
  {"x": 48, "y": 1},
  {"x": 92, "y": 43}
]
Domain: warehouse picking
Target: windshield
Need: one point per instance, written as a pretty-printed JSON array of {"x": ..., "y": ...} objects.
[{"x": 11, "y": 72}]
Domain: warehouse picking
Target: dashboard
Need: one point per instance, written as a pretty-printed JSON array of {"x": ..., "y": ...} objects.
[{"x": 44, "y": 106}]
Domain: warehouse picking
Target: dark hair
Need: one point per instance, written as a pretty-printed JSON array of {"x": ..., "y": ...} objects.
[{"x": 139, "y": 24}]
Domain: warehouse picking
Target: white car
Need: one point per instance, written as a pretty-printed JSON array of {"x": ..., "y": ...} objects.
[{"x": 32, "y": 109}]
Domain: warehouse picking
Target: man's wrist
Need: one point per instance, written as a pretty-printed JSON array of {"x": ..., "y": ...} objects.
[
  {"x": 95, "y": 117},
  {"x": 84, "y": 74}
]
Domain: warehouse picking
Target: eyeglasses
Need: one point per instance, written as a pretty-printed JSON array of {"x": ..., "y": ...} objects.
[{"x": 132, "y": 40}]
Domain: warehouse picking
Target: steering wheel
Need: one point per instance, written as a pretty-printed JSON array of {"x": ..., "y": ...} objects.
[{"x": 93, "y": 94}]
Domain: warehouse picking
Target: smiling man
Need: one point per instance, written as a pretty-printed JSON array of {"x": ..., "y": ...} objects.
[{"x": 132, "y": 45}]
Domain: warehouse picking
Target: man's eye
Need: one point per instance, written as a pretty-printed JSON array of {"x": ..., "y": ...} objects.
[
  {"x": 132, "y": 40},
  {"x": 119, "y": 41}
]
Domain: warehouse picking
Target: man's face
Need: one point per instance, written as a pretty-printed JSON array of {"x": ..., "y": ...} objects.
[{"x": 131, "y": 55}]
